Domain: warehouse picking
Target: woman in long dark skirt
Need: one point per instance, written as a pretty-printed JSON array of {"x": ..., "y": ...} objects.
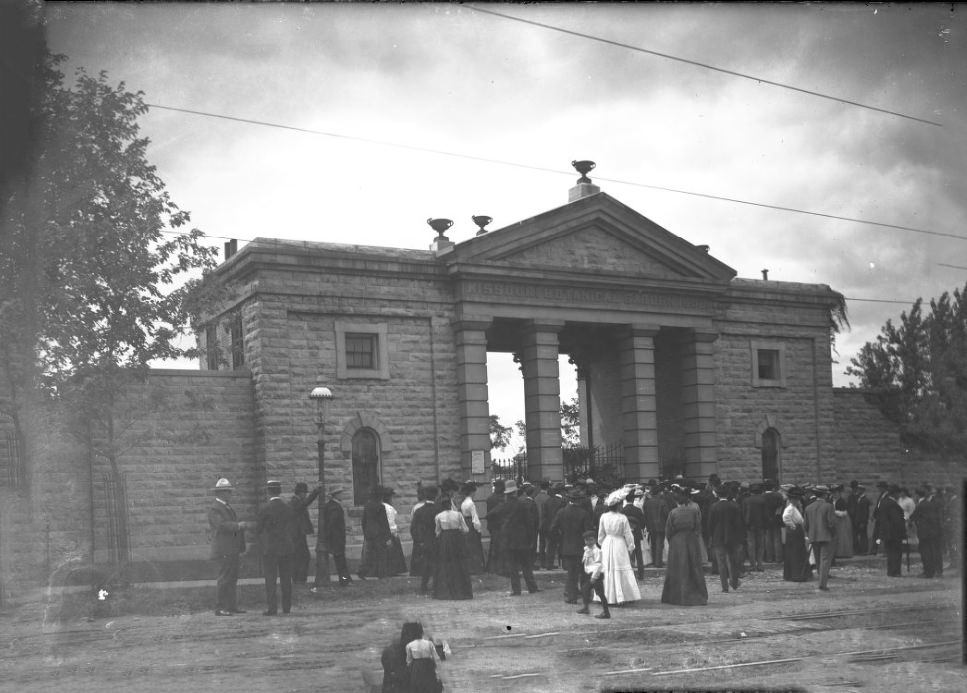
[
  {"x": 395, "y": 560},
  {"x": 421, "y": 660},
  {"x": 396, "y": 674},
  {"x": 684, "y": 575},
  {"x": 475, "y": 556},
  {"x": 376, "y": 537},
  {"x": 795, "y": 555},
  {"x": 418, "y": 555},
  {"x": 451, "y": 579}
]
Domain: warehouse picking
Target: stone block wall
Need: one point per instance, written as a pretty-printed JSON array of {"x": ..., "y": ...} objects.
[
  {"x": 291, "y": 344},
  {"x": 869, "y": 449},
  {"x": 801, "y": 409},
  {"x": 176, "y": 435}
]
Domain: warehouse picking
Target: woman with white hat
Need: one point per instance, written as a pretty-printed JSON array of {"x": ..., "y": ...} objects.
[{"x": 617, "y": 543}]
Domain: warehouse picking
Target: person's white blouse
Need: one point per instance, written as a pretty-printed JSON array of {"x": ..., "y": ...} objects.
[
  {"x": 469, "y": 508},
  {"x": 391, "y": 517},
  {"x": 421, "y": 649},
  {"x": 450, "y": 519},
  {"x": 792, "y": 516}
]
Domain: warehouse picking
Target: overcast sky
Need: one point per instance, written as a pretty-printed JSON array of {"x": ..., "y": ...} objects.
[{"x": 458, "y": 80}]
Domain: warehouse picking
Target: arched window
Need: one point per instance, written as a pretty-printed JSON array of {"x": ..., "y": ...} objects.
[
  {"x": 770, "y": 454},
  {"x": 365, "y": 464}
]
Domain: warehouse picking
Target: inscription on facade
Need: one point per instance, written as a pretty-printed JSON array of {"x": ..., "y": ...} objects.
[{"x": 580, "y": 295}]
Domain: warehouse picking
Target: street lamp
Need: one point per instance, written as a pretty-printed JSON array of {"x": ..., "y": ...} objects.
[{"x": 322, "y": 396}]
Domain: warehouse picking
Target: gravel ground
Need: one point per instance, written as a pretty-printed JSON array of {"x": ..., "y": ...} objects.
[{"x": 869, "y": 632}]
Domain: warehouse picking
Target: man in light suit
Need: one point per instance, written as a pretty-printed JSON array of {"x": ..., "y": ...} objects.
[
  {"x": 228, "y": 544},
  {"x": 820, "y": 526},
  {"x": 273, "y": 531}
]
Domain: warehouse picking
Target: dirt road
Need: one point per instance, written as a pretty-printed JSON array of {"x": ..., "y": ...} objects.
[{"x": 869, "y": 632}]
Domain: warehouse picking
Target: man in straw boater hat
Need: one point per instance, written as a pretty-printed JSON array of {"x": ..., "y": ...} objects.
[
  {"x": 228, "y": 544},
  {"x": 273, "y": 531}
]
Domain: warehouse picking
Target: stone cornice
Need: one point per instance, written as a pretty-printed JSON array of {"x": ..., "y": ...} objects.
[{"x": 294, "y": 256}]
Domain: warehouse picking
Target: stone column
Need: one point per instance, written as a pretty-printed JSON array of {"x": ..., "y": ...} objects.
[
  {"x": 698, "y": 403},
  {"x": 542, "y": 399},
  {"x": 472, "y": 395},
  {"x": 639, "y": 404}
]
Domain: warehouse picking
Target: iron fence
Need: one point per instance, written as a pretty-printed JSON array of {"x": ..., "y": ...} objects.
[
  {"x": 12, "y": 462},
  {"x": 116, "y": 510},
  {"x": 604, "y": 464}
]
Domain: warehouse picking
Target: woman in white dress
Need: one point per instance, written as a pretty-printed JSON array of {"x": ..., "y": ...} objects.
[{"x": 617, "y": 542}]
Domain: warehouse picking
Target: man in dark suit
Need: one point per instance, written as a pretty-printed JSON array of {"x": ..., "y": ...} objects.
[
  {"x": 552, "y": 505},
  {"x": 568, "y": 527},
  {"x": 228, "y": 544},
  {"x": 273, "y": 531},
  {"x": 928, "y": 518},
  {"x": 636, "y": 518},
  {"x": 882, "y": 486},
  {"x": 891, "y": 529},
  {"x": 332, "y": 540},
  {"x": 516, "y": 532},
  {"x": 655, "y": 509},
  {"x": 528, "y": 491},
  {"x": 494, "y": 550},
  {"x": 820, "y": 529},
  {"x": 727, "y": 531},
  {"x": 858, "y": 509},
  {"x": 540, "y": 498},
  {"x": 301, "y": 528},
  {"x": 756, "y": 522},
  {"x": 423, "y": 531},
  {"x": 774, "y": 507}
]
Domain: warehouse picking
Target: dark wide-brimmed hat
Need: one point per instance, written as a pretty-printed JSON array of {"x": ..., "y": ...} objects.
[
  {"x": 576, "y": 494},
  {"x": 795, "y": 492}
]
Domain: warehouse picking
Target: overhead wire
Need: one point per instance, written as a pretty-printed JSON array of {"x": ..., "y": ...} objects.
[
  {"x": 543, "y": 169},
  {"x": 706, "y": 66}
]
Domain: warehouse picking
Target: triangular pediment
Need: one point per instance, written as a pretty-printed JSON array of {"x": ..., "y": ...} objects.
[
  {"x": 592, "y": 248},
  {"x": 594, "y": 235}
]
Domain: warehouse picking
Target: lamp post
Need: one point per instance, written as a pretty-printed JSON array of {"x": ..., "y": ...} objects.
[{"x": 322, "y": 396}]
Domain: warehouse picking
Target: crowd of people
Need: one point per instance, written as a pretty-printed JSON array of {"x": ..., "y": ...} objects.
[{"x": 602, "y": 538}]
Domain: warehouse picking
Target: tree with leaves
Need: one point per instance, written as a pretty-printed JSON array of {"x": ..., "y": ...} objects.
[
  {"x": 916, "y": 372},
  {"x": 95, "y": 260}
]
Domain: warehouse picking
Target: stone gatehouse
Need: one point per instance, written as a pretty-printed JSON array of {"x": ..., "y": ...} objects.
[
  {"x": 681, "y": 364},
  {"x": 686, "y": 367}
]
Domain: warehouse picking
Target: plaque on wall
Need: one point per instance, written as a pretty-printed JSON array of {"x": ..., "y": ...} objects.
[{"x": 476, "y": 461}]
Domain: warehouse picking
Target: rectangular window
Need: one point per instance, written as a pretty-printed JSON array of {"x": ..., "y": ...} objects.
[
  {"x": 238, "y": 342},
  {"x": 362, "y": 351},
  {"x": 768, "y": 364},
  {"x": 211, "y": 346}
]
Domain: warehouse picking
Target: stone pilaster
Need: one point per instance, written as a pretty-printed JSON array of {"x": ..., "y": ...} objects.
[
  {"x": 698, "y": 403},
  {"x": 639, "y": 402},
  {"x": 472, "y": 395},
  {"x": 542, "y": 399}
]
